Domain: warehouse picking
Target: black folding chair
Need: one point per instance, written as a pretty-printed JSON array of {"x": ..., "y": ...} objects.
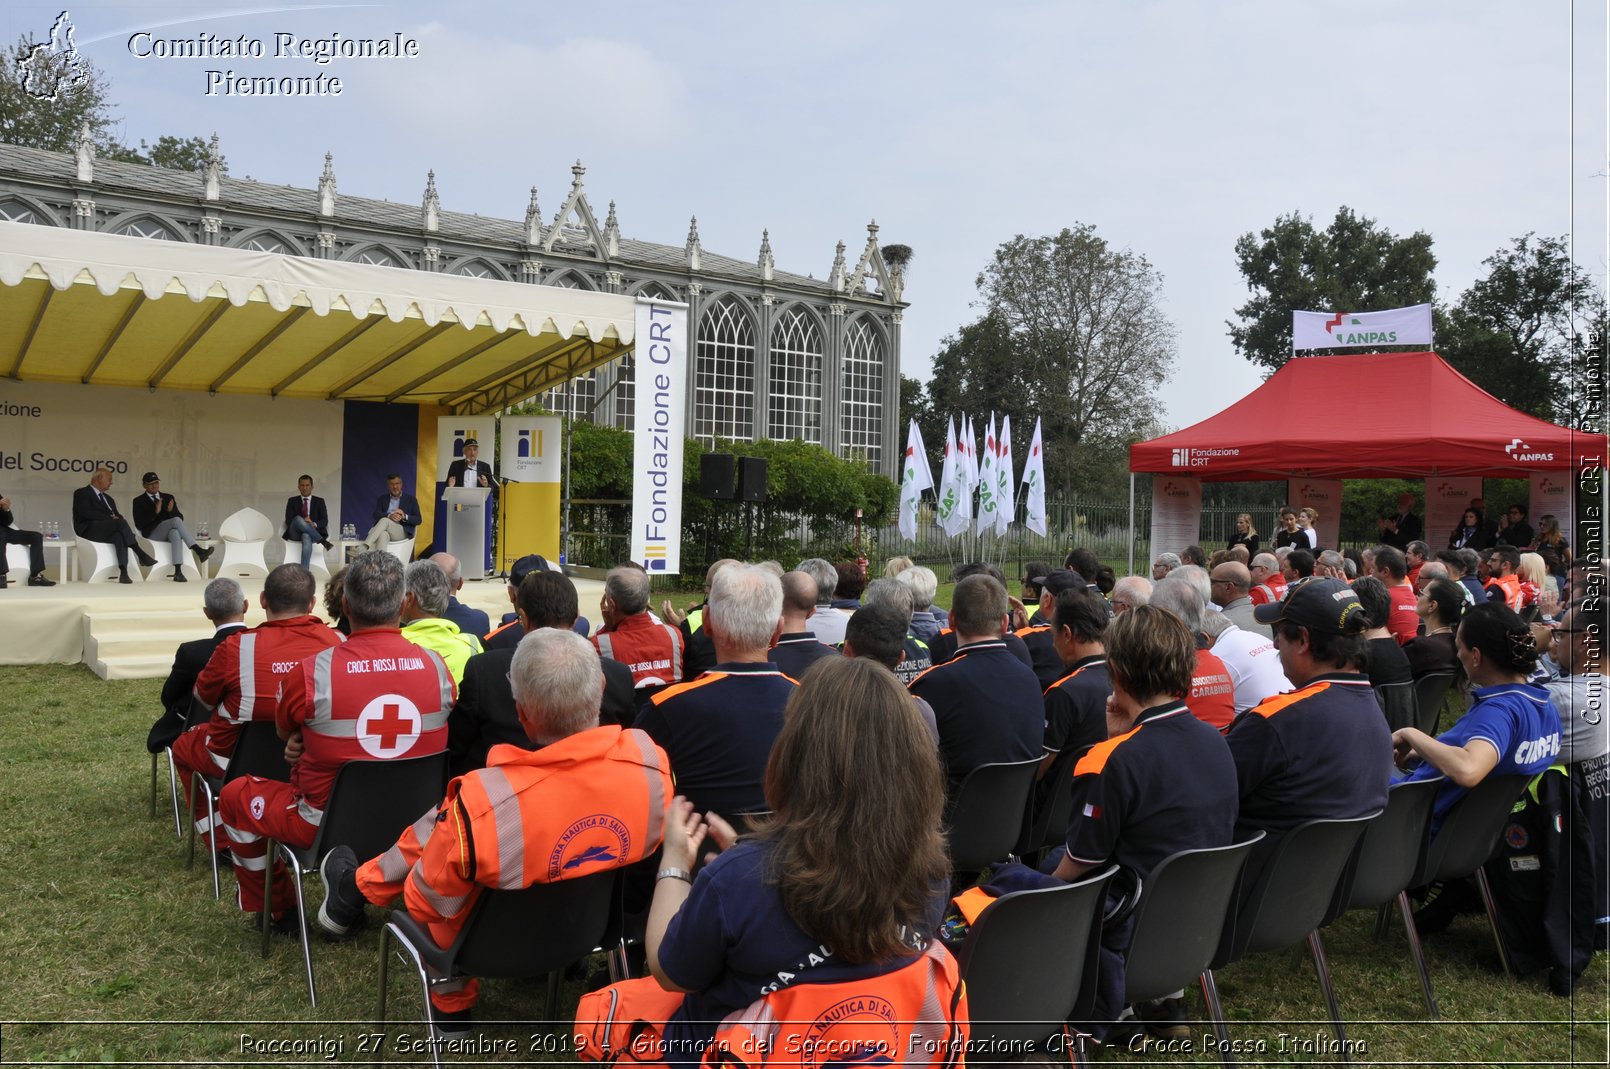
[
  {"x": 1030, "y": 964},
  {"x": 1178, "y": 920},
  {"x": 1383, "y": 865},
  {"x": 371, "y": 803},
  {"x": 509, "y": 935},
  {"x": 1284, "y": 903},
  {"x": 986, "y": 816},
  {"x": 1052, "y": 812},
  {"x": 1429, "y": 693},
  {"x": 1398, "y": 704},
  {"x": 259, "y": 751},
  {"x": 1460, "y": 848}
]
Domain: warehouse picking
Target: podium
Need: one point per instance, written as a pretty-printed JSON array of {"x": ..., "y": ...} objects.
[{"x": 466, "y": 527}]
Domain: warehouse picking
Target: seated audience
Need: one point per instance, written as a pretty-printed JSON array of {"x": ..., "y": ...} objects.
[
  {"x": 1230, "y": 585},
  {"x": 1514, "y": 530},
  {"x": 1165, "y": 563},
  {"x": 1393, "y": 571},
  {"x": 1383, "y": 659},
  {"x": 470, "y": 621},
  {"x": 1249, "y": 657},
  {"x": 630, "y": 635},
  {"x": 923, "y": 584},
  {"x": 1503, "y": 584},
  {"x": 1044, "y": 655},
  {"x": 878, "y": 633},
  {"x": 1130, "y": 592},
  {"x": 797, "y": 648},
  {"x": 516, "y": 822},
  {"x": 1440, "y": 607},
  {"x": 224, "y": 605},
  {"x": 827, "y": 624},
  {"x": 1471, "y": 532},
  {"x": 424, "y": 624},
  {"x": 1212, "y": 695},
  {"x": 1268, "y": 584},
  {"x": 943, "y": 645},
  {"x": 1076, "y": 704},
  {"x": 896, "y": 596}
]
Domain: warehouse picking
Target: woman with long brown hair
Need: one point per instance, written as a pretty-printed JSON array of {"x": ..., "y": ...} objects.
[{"x": 846, "y": 879}]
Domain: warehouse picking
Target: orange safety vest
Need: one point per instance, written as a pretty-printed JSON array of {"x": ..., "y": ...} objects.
[{"x": 1511, "y": 587}]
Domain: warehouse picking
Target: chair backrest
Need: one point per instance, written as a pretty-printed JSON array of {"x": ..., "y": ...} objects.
[
  {"x": 259, "y": 751},
  {"x": 986, "y": 815},
  {"x": 372, "y": 802},
  {"x": 530, "y": 932},
  {"x": 196, "y": 714},
  {"x": 1029, "y": 961},
  {"x": 1292, "y": 890},
  {"x": 1398, "y": 703},
  {"x": 1053, "y": 806},
  {"x": 1179, "y": 917},
  {"x": 1470, "y": 829},
  {"x": 247, "y": 525},
  {"x": 1429, "y": 693},
  {"x": 1390, "y": 849}
]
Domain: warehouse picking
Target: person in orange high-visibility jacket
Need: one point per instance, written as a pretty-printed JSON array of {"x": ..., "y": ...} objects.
[{"x": 589, "y": 799}]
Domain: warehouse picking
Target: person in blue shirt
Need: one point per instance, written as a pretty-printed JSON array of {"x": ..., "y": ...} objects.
[{"x": 1511, "y": 729}]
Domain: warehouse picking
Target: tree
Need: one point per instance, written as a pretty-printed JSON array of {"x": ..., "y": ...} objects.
[
  {"x": 174, "y": 153},
  {"x": 1514, "y": 332},
  {"x": 28, "y": 114},
  {"x": 1354, "y": 265},
  {"x": 1074, "y": 333}
]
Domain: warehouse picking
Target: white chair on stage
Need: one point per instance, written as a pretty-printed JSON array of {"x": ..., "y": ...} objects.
[
  {"x": 244, "y": 534},
  {"x": 98, "y": 560},
  {"x": 316, "y": 565},
  {"x": 163, "y": 552},
  {"x": 16, "y": 563},
  {"x": 402, "y": 549}
]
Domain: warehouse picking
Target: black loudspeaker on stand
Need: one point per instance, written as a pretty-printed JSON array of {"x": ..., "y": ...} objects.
[
  {"x": 724, "y": 477},
  {"x": 715, "y": 476}
]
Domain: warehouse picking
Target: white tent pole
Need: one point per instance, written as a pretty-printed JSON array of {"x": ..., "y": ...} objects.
[{"x": 1131, "y": 570}]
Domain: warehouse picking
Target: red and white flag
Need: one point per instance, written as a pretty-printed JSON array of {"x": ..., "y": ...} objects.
[{"x": 1034, "y": 476}]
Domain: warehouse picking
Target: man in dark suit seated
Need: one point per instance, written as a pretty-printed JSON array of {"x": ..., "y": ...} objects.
[
  {"x": 32, "y": 539},
  {"x": 96, "y": 519},
  {"x": 307, "y": 520},
  {"x": 224, "y": 604},
  {"x": 471, "y": 621},
  {"x": 157, "y": 517},
  {"x": 485, "y": 714},
  {"x": 396, "y": 515}
]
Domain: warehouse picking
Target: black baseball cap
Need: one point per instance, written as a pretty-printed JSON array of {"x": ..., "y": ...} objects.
[
  {"x": 531, "y": 562},
  {"x": 473, "y": 441},
  {"x": 1062, "y": 579},
  {"x": 1328, "y": 605},
  {"x": 149, "y": 477}
]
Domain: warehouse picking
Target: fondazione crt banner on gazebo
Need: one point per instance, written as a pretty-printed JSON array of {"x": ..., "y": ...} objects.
[{"x": 1314, "y": 419}]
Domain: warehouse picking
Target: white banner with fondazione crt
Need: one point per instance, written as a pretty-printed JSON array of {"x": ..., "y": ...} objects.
[
  {"x": 657, "y": 430},
  {"x": 1346, "y": 330}
]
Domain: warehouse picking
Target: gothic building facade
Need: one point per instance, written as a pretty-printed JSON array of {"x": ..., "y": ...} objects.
[{"x": 773, "y": 354}]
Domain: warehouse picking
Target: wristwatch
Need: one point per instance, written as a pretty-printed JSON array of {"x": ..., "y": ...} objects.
[{"x": 673, "y": 874}]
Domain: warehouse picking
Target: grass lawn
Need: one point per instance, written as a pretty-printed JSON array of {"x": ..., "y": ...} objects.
[{"x": 120, "y": 955}]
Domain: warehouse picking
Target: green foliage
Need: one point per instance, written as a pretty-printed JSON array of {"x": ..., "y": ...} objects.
[
  {"x": 1514, "y": 330},
  {"x": 1353, "y": 265},
  {"x": 174, "y": 153}
]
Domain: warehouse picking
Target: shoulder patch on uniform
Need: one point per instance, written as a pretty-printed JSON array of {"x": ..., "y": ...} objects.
[
  {"x": 682, "y": 688},
  {"x": 1095, "y": 758},
  {"x": 1270, "y": 706}
]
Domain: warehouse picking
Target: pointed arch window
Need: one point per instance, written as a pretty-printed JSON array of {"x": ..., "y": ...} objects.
[
  {"x": 266, "y": 243},
  {"x": 724, "y": 374},
  {"x": 16, "y": 212},
  {"x": 626, "y": 368},
  {"x": 377, "y": 257},
  {"x": 862, "y": 373},
  {"x": 146, "y": 228},
  {"x": 475, "y": 269},
  {"x": 575, "y": 399},
  {"x": 794, "y": 408}
]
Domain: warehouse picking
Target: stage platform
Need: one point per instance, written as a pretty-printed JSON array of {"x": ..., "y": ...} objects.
[{"x": 130, "y": 632}]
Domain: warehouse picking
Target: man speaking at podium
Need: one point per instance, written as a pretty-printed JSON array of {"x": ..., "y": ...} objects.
[{"x": 468, "y": 469}]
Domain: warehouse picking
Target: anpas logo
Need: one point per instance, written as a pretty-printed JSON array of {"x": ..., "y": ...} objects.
[
  {"x": 1171, "y": 489},
  {"x": 1333, "y": 327},
  {"x": 1519, "y": 450},
  {"x": 54, "y": 67}
]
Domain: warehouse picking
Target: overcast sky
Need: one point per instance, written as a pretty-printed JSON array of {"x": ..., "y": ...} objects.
[{"x": 1172, "y": 127}]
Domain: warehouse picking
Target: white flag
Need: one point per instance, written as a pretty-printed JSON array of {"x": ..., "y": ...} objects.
[
  {"x": 1034, "y": 475},
  {"x": 970, "y": 454},
  {"x": 1005, "y": 506},
  {"x": 916, "y": 478},
  {"x": 988, "y": 484},
  {"x": 952, "y": 483},
  {"x": 1340, "y": 330}
]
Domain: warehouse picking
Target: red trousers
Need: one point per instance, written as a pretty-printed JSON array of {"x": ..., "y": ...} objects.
[
  {"x": 190, "y": 755},
  {"x": 253, "y": 809}
]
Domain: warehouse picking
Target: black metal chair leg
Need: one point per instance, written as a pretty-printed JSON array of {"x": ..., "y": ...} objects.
[
  {"x": 1492, "y": 920},
  {"x": 1316, "y": 948},
  {"x": 1418, "y": 953}
]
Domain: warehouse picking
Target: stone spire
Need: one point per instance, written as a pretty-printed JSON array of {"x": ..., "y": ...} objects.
[
  {"x": 432, "y": 208},
  {"x": 835, "y": 278},
  {"x": 211, "y": 170},
  {"x": 692, "y": 247},
  {"x": 533, "y": 220},
  {"x": 86, "y": 154},
  {"x": 766, "y": 263},
  {"x": 327, "y": 188},
  {"x": 612, "y": 233},
  {"x": 576, "y": 171}
]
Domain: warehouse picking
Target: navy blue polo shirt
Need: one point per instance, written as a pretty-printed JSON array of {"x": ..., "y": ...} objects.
[
  {"x": 987, "y": 706},
  {"x": 718, "y": 731},
  {"x": 1076, "y": 706},
  {"x": 1166, "y": 785},
  {"x": 1043, "y": 657},
  {"x": 942, "y": 647},
  {"x": 797, "y": 651},
  {"x": 918, "y": 660},
  {"x": 1322, "y": 751}
]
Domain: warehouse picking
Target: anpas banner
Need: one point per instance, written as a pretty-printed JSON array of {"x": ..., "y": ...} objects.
[
  {"x": 1553, "y": 494},
  {"x": 1176, "y": 513},
  {"x": 1446, "y": 501},
  {"x": 1342, "y": 330},
  {"x": 662, "y": 375}
]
